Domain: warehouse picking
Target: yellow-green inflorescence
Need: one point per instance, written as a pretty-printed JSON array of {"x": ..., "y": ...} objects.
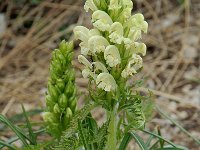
[
  {"x": 61, "y": 95},
  {"x": 111, "y": 51}
]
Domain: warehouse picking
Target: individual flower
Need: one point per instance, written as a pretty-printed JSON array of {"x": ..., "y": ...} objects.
[
  {"x": 114, "y": 5},
  {"x": 127, "y": 4},
  {"x": 97, "y": 44},
  {"x": 106, "y": 82},
  {"x": 138, "y": 48},
  {"x": 137, "y": 25},
  {"x": 89, "y": 4},
  {"x": 84, "y": 61},
  {"x": 112, "y": 56},
  {"x": 133, "y": 65},
  {"x": 83, "y": 34},
  {"x": 116, "y": 33},
  {"x": 101, "y": 20},
  {"x": 98, "y": 66}
]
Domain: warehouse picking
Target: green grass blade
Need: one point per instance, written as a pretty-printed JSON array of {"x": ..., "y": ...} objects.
[
  {"x": 126, "y": 139},
  {"x": 149, "y": 140},
  {"x": 82, "y": 136},
  {"x": 178, "y": 125},
  {"x": 30, "y": 130},
  {"x": 139, "y": 141},
  {"x": 4, "y": 144},
  {"x": 15, "y": 129},
  {"x": 13, "y": 139},
  {"x": 162, "y": 142},
  {"x": 155, "y": 135}
]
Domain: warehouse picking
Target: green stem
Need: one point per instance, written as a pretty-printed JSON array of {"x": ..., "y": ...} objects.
[{"x": 112, "y": 129}]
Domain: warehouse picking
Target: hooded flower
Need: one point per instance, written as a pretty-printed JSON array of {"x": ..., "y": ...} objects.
[
  {"x": 86, "y": 72},
  {"x": 112, "y": 56},
  {"x": 138, "y": 48},
  {"x": 114, "y": 5},
  {"x": 127, "y": 4},
  {"x": 89, "y": 4},
  {"x": 83, "y": 34},
  {"x": 98, "y": 66},
  {"x": 116, "y": 33},
  {"x": 106, "y": 82},
  {"x": 101, "y": 20},
  {"x": 97, "y": 44},
  {"x": 137, "y": 25},
  {"x": 133, "y": 65}
]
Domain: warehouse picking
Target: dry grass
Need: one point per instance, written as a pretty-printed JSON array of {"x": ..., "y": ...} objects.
[{"x": 172, "y": 64}]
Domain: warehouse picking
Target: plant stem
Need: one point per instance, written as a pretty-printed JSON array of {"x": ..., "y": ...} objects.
[{"x": 112, "y": 129}]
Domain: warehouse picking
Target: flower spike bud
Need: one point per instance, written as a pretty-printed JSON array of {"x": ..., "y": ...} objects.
[
  {"x": 101, "y": 20},
  {"x": 106, "y": 82},
  {"x": 97, "y": 44},
  {"x": 116, "y": 33},
  {"x": 114, "y": 5},
  {"x": 84, "y": 61},
  {"x": 98, "y": 66},
  {"x": 89, "y": 4},
  {"x": 112, "y": 56},
  {"x": 81, "y": 33},
  {"x": 138, "y": 48},
  {"x": 133, "y": 65}
]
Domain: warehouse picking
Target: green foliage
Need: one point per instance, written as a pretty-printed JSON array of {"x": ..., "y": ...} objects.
[
  {"x": 69, "y": 138},
  {"x": 61, "y": 95}
]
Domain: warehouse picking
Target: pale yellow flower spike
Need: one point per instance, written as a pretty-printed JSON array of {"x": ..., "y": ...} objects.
[
  {"x": 112, "y": 56},
  {"x": 106, "y": 82},
  {"x": 133, "y": 65},
  {"x": 97, "y": 44},
  {"x": 116, "y": 33},
  {"x": 101, "y": 20},
  {"x": 89, "y": 4}
]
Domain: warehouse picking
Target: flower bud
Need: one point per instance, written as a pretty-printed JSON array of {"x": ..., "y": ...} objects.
[
  {"x": 49, "y": 102},
  {"x": 69, "y": 112},
  {"x": 49, "y": 117},
  {"x": 56, "y": 109},
  {"x": 60, "y": 84},
  {"x": 69, "y": 89},
  {"x": 62, "y": 101},
  {"x": 73, "y": 105},
  {"x": 53, "y": 92}
]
